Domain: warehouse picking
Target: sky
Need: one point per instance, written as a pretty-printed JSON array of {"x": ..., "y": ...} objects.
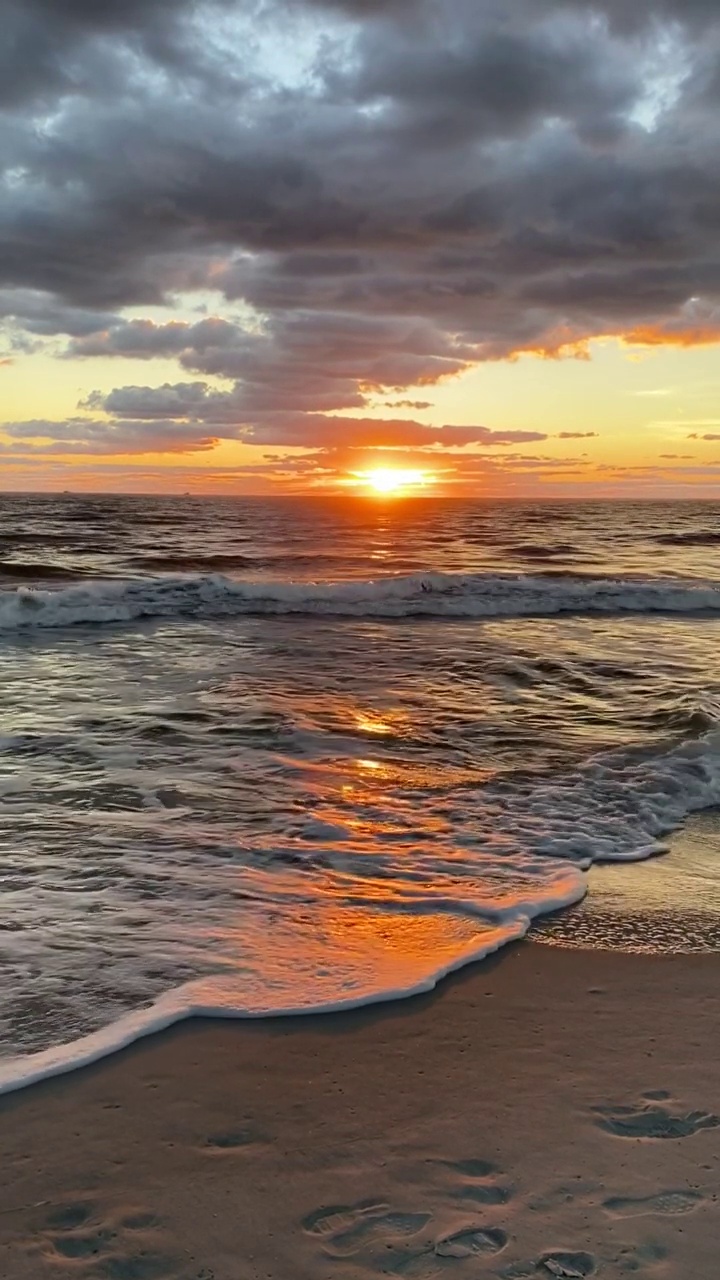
[{"x": 257, "y": 246}]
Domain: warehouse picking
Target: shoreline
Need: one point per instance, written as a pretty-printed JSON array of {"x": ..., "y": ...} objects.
[
  {"x": 479, "y": 1126},
  {"x": 627, "y": 907}
]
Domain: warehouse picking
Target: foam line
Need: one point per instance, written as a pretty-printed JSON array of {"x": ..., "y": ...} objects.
[
  {"x": 685, "y": 780},
  {"x": 418, "y": 595},
  {"x": 183, "y": 1003}
]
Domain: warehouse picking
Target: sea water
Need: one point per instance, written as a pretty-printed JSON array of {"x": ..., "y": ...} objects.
[{"x": 265, "y": 756}]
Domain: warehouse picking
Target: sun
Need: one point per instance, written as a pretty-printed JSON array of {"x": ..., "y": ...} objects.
[{"x": 391, "y": 480}]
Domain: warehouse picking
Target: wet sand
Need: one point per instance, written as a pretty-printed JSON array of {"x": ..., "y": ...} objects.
[{"x": 546, "y": 1107}]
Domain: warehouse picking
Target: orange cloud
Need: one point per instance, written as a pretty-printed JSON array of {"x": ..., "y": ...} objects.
[{"x": 697, "y": 336}]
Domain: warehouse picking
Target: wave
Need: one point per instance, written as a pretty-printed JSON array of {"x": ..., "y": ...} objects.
[
  {"x": 23, "y": 538},
  {"x": 227, "y": 561},
  {"x": 690, "y": 538},
  {"x": 538, "y": 551},
  {"x": 31, "y": 572},
  {"x": 194, "y": 563},
  {"x": 615, "y": 808},
  {"x": 218, "y": 998},
  {"x": 418, "y": 595},
  {"x": 685, "y": 716}
]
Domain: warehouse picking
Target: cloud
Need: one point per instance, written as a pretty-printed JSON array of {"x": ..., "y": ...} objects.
[
  {"x": 33, "y": 314},
  {"x": 97, "y": 436},
  {"x": 677, "y": 336},
  {"x": 408, "y": 404},
  {"x": 577, "y": 435},
  {"x": 146, "y": 340},
  {"x": 370, "y": 433},
  {"x": 695, "y": 11},
  {"x": 190, "y": 416},
  {"x": 393, "y": 191},
  {"x": 298, "y": 362},
  {"x": 52, "y": 48}
]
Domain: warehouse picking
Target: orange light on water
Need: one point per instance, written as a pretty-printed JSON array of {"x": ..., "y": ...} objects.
[
  {"x": 371, "y": 723},
  {"x": 391, "y": 480}
]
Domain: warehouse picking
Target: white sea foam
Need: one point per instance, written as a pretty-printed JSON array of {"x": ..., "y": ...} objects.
[
  {"x": 426, "y": 595},
  {"x": 348, "y": 939},
  {"x": 398, "y": 977}
]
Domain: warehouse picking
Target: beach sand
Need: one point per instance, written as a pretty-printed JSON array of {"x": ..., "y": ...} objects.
[{"x": 546, "y": 1105}]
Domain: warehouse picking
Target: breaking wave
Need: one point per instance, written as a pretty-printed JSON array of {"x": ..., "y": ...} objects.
[{"x": 419, "y": 595}]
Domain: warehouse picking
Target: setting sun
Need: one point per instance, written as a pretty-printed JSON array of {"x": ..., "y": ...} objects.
[{"x": 391, "y": 480}]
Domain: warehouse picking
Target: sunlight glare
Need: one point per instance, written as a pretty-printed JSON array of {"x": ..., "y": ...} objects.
[
  {"x": 391, "y": 480},
  {"x": 371, "y": 723}
]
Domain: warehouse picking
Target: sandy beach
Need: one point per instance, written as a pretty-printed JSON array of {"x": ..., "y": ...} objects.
[{"x": 544, "y": 1113}]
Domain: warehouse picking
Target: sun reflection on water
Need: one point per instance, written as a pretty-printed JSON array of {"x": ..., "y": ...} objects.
[{"x": 369, "y": 723}]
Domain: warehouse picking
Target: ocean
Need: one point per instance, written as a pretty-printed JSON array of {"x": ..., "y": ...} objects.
[{"x": 287, "y": 755}]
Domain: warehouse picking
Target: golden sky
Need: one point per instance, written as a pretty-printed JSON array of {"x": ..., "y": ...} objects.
[
  {"x": 258, "y": 249},
  {"x": 648, "y": 416}
]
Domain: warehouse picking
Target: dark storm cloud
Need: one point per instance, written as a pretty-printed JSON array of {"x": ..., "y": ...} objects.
[
  {"x": 626, "y": 16},
  {"x": 494, "y": 82},
  {"x": 54, "y": 47},
  {"x": 421, "y": 187}
]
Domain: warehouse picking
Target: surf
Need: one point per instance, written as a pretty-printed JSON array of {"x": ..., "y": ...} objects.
[{"x": 434, "y": 595}]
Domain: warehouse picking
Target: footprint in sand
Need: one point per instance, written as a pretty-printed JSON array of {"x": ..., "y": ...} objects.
[
  {"x": 476, "y": 1181},
  {"x": 349, "y": 1229},
  {"x": 469, "y": 1243},
  {"x": 234, "y": 1140},
  {"x": 562, "y": 1264},
  {"x": 121, "y": 1245},
  {"x": 69, "y": 1216},
  {"x": 73, "y": 1231},
  {"x": 333, "y": 1219},
  {"x": 139, "y": 1221},
  {"x": 378, "y": 1238},
  {"x": 84, "y": 1244},
  {"x": 434, "y": 1260},
  {"x": 664, "y": 1202},
  {"x": 638, "y": 1257},
  {"x": 653, "y": 1121},
  {"x": 428, "y": 1259},
  {"x": 389, "y": 1228}
]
